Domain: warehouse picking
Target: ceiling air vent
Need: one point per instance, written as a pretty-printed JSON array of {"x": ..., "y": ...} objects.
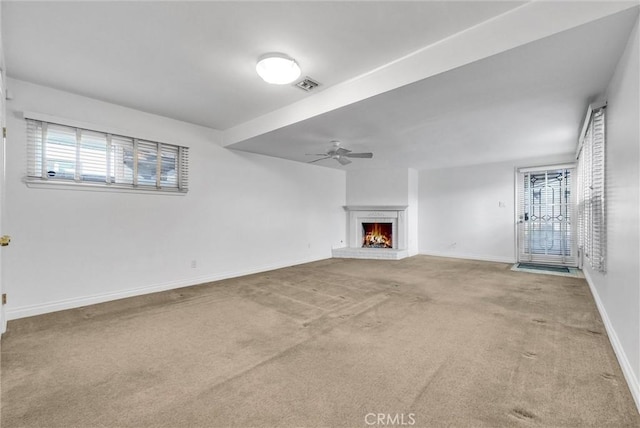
[{"x": 307, "y": 84}]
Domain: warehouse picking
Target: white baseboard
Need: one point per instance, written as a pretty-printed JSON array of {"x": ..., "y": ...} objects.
[
  {"x": 76, "y": 302},
  {"x": 625, "y": 365},
  {"x": 468, "y": 256}
]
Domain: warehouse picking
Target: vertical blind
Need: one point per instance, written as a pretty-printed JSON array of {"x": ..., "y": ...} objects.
[
  {"x": 591, "y": 191},
  {"x": 69, "y": 154}
]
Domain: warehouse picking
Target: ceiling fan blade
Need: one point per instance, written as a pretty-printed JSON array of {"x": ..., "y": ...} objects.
[
  {"x": 359, "y": 155},
  {"x": 326, "y": 157},
  {"x": 341, "y": 151},
  {"x": 315, "y": 154},
  {"x": 343, "y": 161}
]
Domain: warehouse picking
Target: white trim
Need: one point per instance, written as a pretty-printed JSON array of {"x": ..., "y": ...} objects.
[
  {"x": 567, "y": 165},
  {"x": 516, "y": 206},
  {"x": 625, "y": 365},
  {"x": 40, "y": 183},
  {"x": 375, "y": 207},
  {"x": 3, "y": 159},
  {"x": 77, "y": 302},
  {"x": 469, "y": 256}
]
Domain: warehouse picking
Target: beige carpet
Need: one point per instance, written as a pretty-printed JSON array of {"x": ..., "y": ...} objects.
[{"x": 430, "y": 341}]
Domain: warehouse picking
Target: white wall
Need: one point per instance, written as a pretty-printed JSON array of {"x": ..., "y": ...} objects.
[
  {"x": 392, "y": 186},
  {"x": 469, "y": 212},
  {"x": 617, "y": 292},
  {"x": 243, "y": 213},
  {"x": 460, "y": 215},
  {"x": 378, "y": 187}
]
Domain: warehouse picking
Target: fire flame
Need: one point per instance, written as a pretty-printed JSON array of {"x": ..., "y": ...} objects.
[{"x": 377, "y": 235}]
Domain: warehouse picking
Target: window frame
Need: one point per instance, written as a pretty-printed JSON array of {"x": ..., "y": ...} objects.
[{"x": 42, "y": 180}]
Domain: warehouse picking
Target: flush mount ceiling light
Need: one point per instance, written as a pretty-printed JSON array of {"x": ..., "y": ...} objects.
[{"x": 277, "y": 68}]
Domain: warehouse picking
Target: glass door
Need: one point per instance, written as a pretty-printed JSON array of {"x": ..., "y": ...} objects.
[{"x": 546, "y": 228}]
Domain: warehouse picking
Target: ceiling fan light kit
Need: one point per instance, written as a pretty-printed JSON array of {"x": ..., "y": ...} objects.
[{"x": 277, "y": 68}]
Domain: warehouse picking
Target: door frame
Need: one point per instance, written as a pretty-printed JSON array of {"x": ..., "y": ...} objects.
[
  {"x": 3, "y": 124},
  {"x": 517, "y": 223}
]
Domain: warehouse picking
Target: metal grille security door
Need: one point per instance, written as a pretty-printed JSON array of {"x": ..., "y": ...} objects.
[{"x": 546, "y": 232}]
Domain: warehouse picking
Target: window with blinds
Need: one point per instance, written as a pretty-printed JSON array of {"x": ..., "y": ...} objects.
[
  {"x": 591, "y": 190},
  {"x": 66, "y": 154}
]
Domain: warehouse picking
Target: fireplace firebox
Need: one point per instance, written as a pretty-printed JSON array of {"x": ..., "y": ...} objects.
[{"x": 377, "y": 235}]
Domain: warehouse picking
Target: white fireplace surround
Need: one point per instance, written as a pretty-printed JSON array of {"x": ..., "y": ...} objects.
[{"x": 358, "y": 214}]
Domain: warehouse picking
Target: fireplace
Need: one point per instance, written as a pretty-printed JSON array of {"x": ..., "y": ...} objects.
[
  {"x": 375, "y": 232},
  {"x": 377, "y": 235}
]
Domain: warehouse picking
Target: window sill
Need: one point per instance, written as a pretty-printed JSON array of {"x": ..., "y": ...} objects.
[{"x": 62, "y": 185}]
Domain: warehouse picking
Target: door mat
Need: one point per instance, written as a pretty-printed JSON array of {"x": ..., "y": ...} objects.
[{"x": 547, "y": 269}]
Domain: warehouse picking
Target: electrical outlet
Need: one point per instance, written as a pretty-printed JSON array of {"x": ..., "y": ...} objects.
[{"x": 194, "y": 264}]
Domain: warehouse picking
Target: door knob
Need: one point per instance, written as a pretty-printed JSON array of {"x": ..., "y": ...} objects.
[{"x": 4, "y": 240}]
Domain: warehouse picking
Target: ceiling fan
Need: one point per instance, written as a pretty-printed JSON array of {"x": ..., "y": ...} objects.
[{"x": 340, "y": 154}]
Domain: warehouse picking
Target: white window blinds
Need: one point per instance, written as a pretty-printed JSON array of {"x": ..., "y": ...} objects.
[
  {"x": 60, "y": 153},
  {"x": 591, "y": 191}
]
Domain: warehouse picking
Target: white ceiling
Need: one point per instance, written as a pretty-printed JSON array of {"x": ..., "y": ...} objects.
[
  {"x": 195, "y": 61},
  {"x": 524, "y": 103}
]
